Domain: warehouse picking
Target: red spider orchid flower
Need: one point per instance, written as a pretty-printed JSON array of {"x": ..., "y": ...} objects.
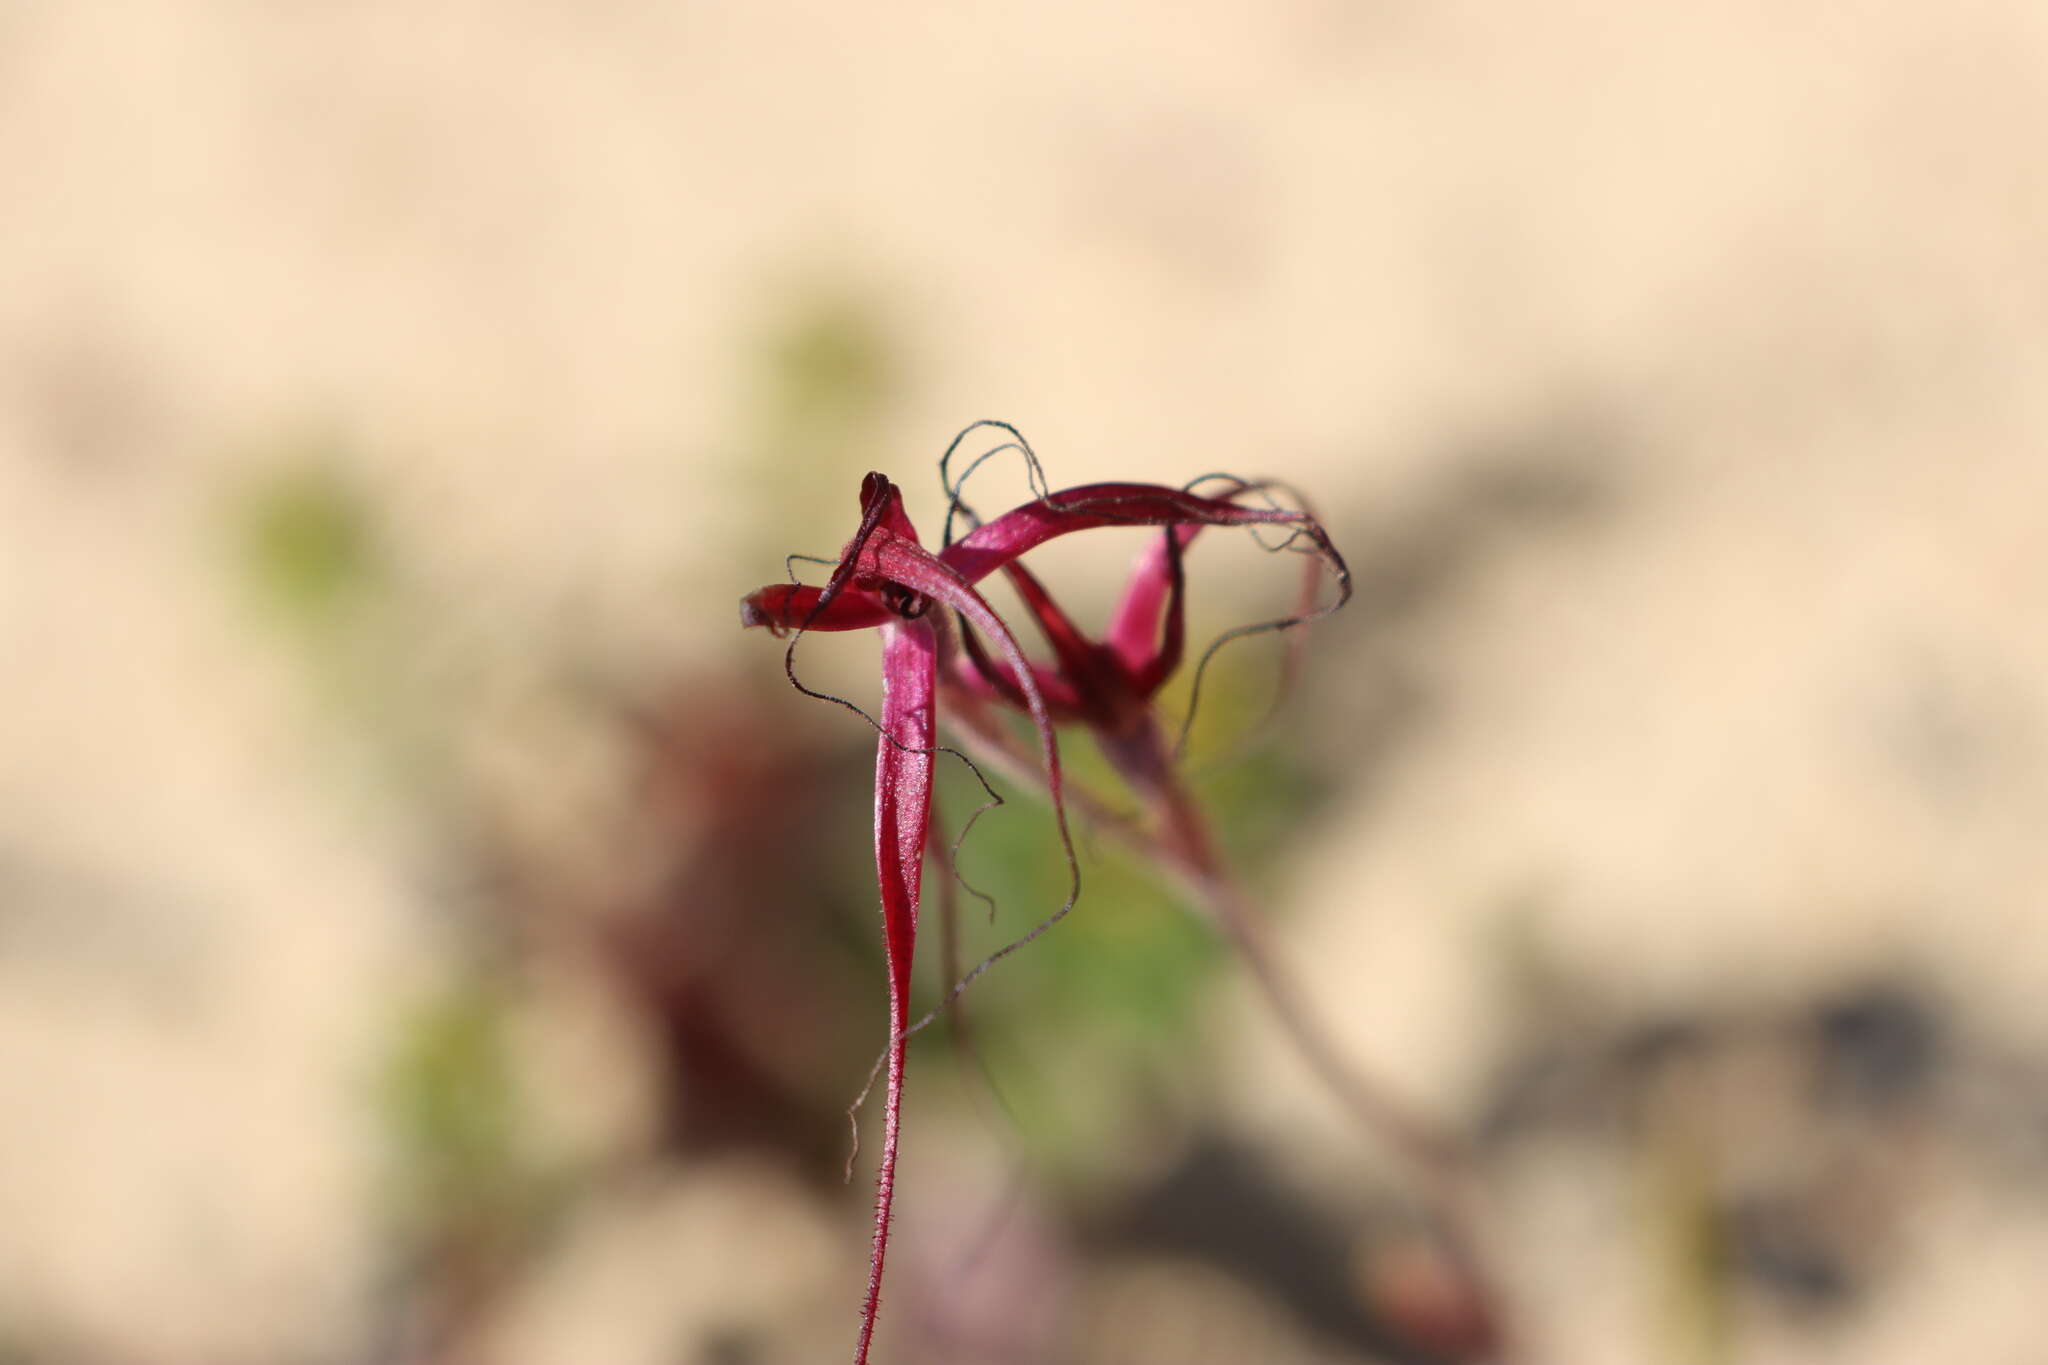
[{"x": 886, "y": 579}]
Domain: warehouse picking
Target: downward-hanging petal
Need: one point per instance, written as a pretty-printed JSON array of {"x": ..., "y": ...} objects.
[
  {"x": 896, "y": 560},
  {"x": 903, "y": 784},
  {"x": 903, "y": 800}
]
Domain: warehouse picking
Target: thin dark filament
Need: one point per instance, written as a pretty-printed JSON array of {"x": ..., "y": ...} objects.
[
  {"x": 956, "y": 493},
  {"x": 789, "y": 563},
  {"x": 949, "y": 959},
  {"x": 1291, "y": 655},
  {"x": 988, "y": 789},
  {"x": 1000, "y": 1114},
  {"x": 1241, "y": 745},
  {"x": 853, "y": 1114},
  {"x": 953, "y": 859},
  {"x": 1308, "y": 529},
  {"x": 1264, "y": 488},
  {"x": 974, "y": 973},
  {"x": 1034, "y": 471},
  {"x": 1240, "y": 484},
  {"x": 789, "y": 670},
  {"x": 1187, "y": 722}
]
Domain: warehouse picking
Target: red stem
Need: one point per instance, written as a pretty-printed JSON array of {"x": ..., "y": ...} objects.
[
  {"x": 1180, "y": 842},
  {"x": 1440, "y": 1159}
]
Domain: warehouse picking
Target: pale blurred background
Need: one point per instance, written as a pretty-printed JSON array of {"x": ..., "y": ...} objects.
[{"x": 430, "y": 929}]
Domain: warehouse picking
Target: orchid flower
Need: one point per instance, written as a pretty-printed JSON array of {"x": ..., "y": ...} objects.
[{"x": 941, "y": 640}]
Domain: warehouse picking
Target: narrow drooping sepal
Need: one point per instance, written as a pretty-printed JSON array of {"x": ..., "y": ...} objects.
[
  {"x": 903, "y": 800},
  {"x": 903, "y": 782}
]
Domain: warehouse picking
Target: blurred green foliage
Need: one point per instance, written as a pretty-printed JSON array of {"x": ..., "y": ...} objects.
[
  {"x": 307, "y": 540},
  {"x": 828, "y": 369},
  {"x": 451, "y": 1116},
  {"x": 312, "y": 550},
  {"x": 830, "y": 363},
  {"x": 1688, "y": 1248}
]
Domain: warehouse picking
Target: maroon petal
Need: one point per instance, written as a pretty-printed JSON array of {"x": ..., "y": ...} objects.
[
  {"x": 1148, "y": 649},
  {"x": 783, "y": 607},
  {"x": 877, "y": 492},
  {"x": 1102, "y": 687},
  {"x": 990, "y": 677},
  {"x": 841, "y": 604},
  {"x": 903, "y": 799},
  {"x": 1071, "y": 689},
  {"x": 990, "y": 546},
  {"x": 1076, "y": 656}
]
